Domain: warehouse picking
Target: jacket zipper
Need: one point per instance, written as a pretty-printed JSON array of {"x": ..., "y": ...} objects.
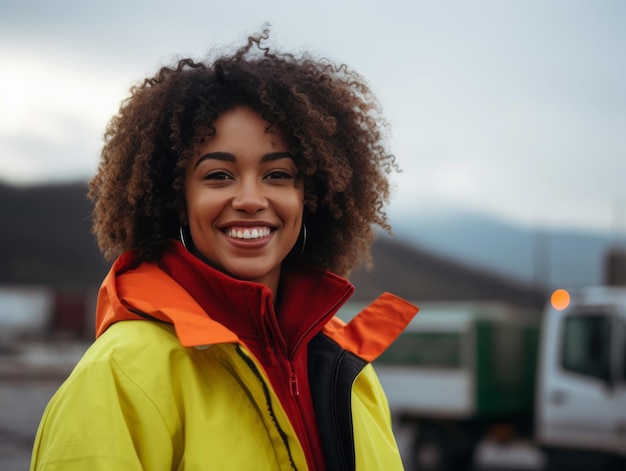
[
  {"x": 268, "y": 330},
  {"x": 293, "y": 382},
  {"x": 268, "y": 403},
  {"x": 284, "y": 362},
  {"x": 293, "y": 377}
]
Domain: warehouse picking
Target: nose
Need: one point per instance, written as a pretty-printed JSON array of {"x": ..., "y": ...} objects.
[{"x": 250, "y": 197}]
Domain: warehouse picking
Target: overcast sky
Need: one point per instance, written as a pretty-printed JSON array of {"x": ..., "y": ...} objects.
[{"x": 516, "y": 109}]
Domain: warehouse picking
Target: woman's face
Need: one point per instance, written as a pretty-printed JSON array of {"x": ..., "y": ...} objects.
[{"x": 243, "y": 199}]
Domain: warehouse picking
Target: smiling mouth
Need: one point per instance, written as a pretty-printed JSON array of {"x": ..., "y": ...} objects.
[{"x": 248, "y": 233}]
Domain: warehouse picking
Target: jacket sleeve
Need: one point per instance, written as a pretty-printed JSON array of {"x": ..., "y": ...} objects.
[
  {"x": 100, "y": 419},
  {"x": 375, "y": 444}
]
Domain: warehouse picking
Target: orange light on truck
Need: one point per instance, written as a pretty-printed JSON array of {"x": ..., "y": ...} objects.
[{"x": 560, "y": 299}]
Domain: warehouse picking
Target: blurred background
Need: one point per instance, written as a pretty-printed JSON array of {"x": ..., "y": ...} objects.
[{"x": 508, "y": 120}]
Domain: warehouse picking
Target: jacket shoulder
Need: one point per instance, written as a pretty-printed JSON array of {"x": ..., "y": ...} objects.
[
  {"x": 147, "y": 353},
  {"x": 139, "y": 356},
  {"x": 119, "y": 390}
]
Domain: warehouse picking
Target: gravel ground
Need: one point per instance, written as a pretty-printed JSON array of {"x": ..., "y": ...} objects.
[
  {"x": 22, "y": 402},
  {"x": 29, "y": 376}
]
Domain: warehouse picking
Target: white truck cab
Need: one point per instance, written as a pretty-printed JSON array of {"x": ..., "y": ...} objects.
[{"x": 581, "y": 382}]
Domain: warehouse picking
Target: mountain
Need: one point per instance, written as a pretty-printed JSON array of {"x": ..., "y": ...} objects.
[
  {"x": 45, "y": 237},
  {"x": 416, "y": 274},
  {"x": 554, "y": 258}
]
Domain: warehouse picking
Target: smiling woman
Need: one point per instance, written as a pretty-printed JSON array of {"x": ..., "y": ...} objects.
[
  {"x": 234, "y": 195},
  {"x": 244, "y": 198}
]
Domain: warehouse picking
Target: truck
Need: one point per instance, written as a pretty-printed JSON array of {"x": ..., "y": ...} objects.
[
  {"x": 580, "y": 410},
  {"x": 468, "y": 373}
]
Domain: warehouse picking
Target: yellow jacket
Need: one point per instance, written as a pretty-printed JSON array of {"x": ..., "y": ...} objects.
[{"x": 182, "y": 392}]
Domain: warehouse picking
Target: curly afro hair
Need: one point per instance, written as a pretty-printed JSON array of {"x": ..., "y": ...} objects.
[{"x": 327, "y": 113}]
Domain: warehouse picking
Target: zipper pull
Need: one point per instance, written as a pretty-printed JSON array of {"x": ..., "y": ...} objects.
[{"x": 293, "y": 383}]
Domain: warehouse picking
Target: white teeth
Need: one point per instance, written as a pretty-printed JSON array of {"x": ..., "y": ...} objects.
[{"x": 255, "y": 233}]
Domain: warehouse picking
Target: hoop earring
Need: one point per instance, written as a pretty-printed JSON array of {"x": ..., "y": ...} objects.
[
  {"x": 182, "y": 237},
  {"x": 303, "y": 239}
]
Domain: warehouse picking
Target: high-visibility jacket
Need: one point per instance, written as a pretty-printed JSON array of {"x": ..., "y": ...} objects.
[{"x": 182, "y": 392}]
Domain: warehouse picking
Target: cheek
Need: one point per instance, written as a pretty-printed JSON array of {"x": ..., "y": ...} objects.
[
  {"x": 296, "y": 207},
  {"x": 200, "y": 206}
]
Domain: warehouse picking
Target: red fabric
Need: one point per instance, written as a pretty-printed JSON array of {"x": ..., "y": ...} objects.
[{"x": 277, "y": 338}]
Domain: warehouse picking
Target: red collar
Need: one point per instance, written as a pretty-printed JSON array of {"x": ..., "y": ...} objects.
[
  {"x": 206, "y": 306},
  {"x": 308, "y": 299},
  {"x": 132, "y": 287}
]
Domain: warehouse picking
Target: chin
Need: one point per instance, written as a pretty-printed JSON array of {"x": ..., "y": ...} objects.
[{"x": 260, "y": 275}]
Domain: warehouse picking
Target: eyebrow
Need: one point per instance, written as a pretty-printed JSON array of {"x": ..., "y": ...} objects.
[{"x": 228, "y": 157}]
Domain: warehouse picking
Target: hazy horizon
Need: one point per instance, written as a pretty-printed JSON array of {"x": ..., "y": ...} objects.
[{"x": 515, "y": 110}]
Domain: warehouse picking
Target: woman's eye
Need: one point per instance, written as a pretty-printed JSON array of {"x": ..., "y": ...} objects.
[
  {"x": 217, "y": 176},
  {"x": 279, "y": 174}
]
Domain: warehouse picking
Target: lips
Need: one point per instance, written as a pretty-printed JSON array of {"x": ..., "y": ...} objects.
[{"x": 248, "y": 233}]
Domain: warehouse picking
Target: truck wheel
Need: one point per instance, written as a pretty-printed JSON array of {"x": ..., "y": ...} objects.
[{"x": 431, "y": 452}]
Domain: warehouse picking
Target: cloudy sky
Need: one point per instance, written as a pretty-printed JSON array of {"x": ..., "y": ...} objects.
[{"x": 515, "y": 109}]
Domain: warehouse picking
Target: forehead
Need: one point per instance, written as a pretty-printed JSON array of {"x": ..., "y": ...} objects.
[
  {"x": 243, "y": 127},
  {"x": 241, "y": 136}
]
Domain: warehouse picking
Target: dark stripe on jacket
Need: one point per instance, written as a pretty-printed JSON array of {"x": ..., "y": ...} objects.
[{"x": 332, "y": 371}]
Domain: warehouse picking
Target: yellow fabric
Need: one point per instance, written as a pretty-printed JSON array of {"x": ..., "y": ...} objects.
[
  {"x": 139, "y": 400},
  {"x": 374, "y": 446}
]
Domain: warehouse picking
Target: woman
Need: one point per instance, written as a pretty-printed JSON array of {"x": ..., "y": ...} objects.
[{"x": 234, "y": 194}]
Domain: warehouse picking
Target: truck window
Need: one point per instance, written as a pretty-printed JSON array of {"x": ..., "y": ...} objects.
[
  {"x": 586, "y": 347},
  {"x": 425, "y": 349},
  {"x": 622, "y": 352}
]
